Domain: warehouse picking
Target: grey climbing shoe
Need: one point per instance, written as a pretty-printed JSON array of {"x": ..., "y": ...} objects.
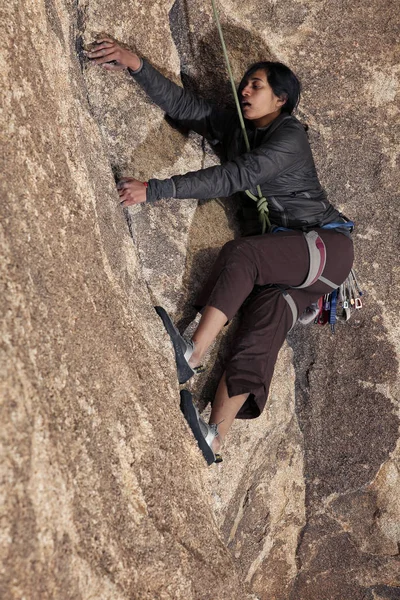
[
  {"x": 202, "y": 431},
  {"x": 183, "y": 349}
]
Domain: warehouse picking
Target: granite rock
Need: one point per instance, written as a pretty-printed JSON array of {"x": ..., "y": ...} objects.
[{"x": 104, "y": 493}]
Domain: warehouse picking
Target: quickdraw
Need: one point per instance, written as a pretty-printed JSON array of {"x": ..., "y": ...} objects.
[{"x": 346, "y": 300}]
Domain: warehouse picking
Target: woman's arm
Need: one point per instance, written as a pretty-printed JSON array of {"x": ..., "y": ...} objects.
[
  {"x": 181, "y": 105},
  {"x": 178, "y": 103},
  {"x": 283, "y": 152}
]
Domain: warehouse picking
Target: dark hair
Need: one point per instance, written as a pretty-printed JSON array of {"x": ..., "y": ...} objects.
[{"x": 282, "y": 81}]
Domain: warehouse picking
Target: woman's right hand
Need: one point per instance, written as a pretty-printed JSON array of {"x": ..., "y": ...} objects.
[{"x": 107, "y": 50}]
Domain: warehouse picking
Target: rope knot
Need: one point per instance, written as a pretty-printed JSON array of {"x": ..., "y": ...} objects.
[{"x": 262, "y": 207}]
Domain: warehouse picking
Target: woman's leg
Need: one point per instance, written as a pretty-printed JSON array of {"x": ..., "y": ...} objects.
[
  {"x": 211, "y": 322},
  {"x": 274, "y": 258},
  {"x": 240, "y": 264},
  {"x": 265, "y": 322},
  {"x": 224, "y": 411}
]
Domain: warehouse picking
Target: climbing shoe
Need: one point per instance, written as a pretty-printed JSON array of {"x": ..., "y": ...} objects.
[
  {"x": 202, "y": 431},
  {"x": 183, "y": 349}
]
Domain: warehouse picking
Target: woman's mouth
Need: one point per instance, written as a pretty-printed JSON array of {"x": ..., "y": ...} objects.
[{"x": 246, "y": 104}]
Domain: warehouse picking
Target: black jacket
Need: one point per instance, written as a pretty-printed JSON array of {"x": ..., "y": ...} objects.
[{"x": 280, "y": 160}]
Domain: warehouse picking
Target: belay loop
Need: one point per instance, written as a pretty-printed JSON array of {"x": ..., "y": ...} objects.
[{"x": 262, "y": 204}]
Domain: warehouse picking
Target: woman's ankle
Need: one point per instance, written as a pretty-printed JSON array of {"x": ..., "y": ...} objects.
[
  {"x": 196, "y": 356},
  {"x": 216, "y": 444},
  {"x": 211, "y": 323}
]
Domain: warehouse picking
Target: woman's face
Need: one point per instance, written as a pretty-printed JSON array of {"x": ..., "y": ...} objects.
[{"x": 259, "y": 103}]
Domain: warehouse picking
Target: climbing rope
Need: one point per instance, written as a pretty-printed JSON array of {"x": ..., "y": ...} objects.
[{"x": 262, "y": 204}]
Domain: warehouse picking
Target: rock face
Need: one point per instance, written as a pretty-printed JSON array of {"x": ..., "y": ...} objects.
[{"x": 104, "y": 493}]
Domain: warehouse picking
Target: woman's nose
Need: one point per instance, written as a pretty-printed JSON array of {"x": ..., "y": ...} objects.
[{"x": 245, "y": 91}]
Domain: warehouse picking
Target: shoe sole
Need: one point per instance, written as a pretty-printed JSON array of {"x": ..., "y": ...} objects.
[
  {"x": 190, "y": 414},
  {"x": 183, "y": 369}
]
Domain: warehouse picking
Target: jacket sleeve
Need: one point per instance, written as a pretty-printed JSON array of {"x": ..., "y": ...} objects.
[
  {"x": 181, "y": 105},
  {"x": 285, "y": 151}
]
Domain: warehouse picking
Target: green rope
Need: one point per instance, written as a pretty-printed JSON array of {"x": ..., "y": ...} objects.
[{"x": 262, "y": 204}]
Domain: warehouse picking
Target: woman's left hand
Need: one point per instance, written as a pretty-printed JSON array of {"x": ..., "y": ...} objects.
[{"x": 131, "y": 191}]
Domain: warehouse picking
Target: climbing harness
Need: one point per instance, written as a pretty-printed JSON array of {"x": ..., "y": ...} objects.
[
  {"x": 334, "y": 306},
  {"x": 317, "y": 255},
  {"x": 262, "y": 204}
]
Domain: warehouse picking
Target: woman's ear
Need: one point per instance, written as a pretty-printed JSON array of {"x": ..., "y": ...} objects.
[{"x": 282, "y": 100}]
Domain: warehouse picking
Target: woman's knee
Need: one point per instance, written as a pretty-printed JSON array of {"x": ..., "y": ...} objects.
[
  {"x": 229, "y": 246},
  {"x": 233, "y": 246},
  {"x": 227, "y": 251}
]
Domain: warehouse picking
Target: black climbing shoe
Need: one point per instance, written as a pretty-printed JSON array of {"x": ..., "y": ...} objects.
[
  {"x": 183, "y": 349},
  {"x": 202, "y": 431}
]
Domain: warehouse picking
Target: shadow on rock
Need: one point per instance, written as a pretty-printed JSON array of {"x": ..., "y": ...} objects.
[{"x": 203, "y": 67}]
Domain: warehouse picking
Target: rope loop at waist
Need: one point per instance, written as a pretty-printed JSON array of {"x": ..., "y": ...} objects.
[{"x": 262, "y": 207}]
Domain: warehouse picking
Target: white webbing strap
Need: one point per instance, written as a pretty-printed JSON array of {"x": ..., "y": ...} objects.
[
  {"x": 292, "y": 306},
  {"x": 328, "y": 282},
  {"x": 317, "y": 255}
]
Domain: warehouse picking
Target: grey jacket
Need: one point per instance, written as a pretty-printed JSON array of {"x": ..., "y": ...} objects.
[{"x": 280, "y": 160}]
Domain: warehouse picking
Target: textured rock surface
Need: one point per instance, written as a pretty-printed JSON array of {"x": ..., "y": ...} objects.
[
  {"x": 95, "y": 503},
  {"x": 98, "y": 500}
]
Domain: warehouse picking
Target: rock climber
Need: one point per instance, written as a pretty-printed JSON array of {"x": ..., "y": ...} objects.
[{"x": 268, "y": 276}]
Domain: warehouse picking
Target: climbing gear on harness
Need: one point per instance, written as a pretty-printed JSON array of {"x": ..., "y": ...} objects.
[
  {"x": 262, "y": 204},
  {"x": 338, "y": 305},
  {"x": 332, "y": 309},
  {"x": 341, "y": 298},
  {"x": 183, "y": 348},
  {"x": 324, "y": 305},
  {"x": 317, "y": 255},
  {"x": 349, "y": 297},
  {"x": 204, "y": 433}
]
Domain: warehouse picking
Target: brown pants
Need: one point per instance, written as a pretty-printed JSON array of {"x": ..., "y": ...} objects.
[{"x": 281, "y": 258}]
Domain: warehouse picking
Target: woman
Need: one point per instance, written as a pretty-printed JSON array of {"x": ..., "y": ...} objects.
[{"x": 273, "y": 277}]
